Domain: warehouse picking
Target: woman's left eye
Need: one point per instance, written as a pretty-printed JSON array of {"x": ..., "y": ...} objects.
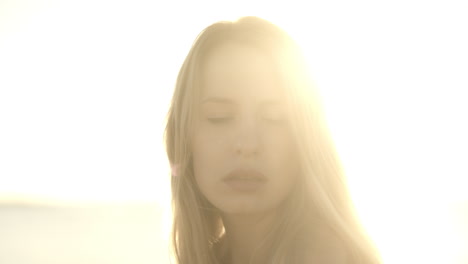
[
  {"x": 276, "y": 119},
  {"x": 218, "y": 120},
  {"x": 273, "y": 115}
]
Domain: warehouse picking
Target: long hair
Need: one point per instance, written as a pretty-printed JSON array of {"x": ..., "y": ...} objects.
[{"x": 318, "y": 216}]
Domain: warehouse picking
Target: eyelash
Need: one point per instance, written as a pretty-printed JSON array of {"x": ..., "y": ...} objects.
[
  {"x": 220, "y": 120},
  {"x": 275, "y": 120}
]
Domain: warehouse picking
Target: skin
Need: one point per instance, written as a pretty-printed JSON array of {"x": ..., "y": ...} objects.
[{"x": 243, "y": 123}]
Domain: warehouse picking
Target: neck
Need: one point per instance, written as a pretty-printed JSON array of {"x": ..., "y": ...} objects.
[{"x": 246, "y": 235}]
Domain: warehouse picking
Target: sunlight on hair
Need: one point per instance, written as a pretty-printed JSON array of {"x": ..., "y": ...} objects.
[
  {"x": 394, "y": 177},
  {"x": 383, "y": 138}
]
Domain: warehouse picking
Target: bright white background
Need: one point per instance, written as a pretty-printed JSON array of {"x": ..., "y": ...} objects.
[{"x": 85, "y": 87}]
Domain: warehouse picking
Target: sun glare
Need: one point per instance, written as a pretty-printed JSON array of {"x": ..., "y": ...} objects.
[
  {"x": 85, "y": 92},
  {"x": 400, "y": 139}
]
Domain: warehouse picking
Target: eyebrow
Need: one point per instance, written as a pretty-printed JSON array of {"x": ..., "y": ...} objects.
[{"x": 229, "y": 101}]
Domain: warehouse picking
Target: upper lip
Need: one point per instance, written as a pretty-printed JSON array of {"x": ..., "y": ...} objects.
[{"x": 245, "y": 174}]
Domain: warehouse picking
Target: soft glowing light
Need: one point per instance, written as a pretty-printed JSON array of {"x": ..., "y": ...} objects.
[{"x": 85, "y": 87}]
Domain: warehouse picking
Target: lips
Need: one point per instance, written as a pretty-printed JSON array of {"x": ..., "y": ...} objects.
[
  {"x": 245, "y": 175},
  {"x": 245, "y": 181}
]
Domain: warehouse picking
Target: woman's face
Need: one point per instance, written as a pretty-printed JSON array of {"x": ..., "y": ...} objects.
[{"x": 244, "y": 158}]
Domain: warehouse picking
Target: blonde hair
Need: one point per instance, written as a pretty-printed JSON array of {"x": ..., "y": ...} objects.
[{"x": 318, "y": 215}]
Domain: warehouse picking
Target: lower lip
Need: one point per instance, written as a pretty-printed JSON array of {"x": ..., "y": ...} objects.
[{"x": 245, "y": 185}]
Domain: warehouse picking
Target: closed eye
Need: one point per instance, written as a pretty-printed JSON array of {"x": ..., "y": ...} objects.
[
  {"x": 218, "y": 120},
  {"x": 274, "y": 117},
  {"x": 274, "y": 120}
]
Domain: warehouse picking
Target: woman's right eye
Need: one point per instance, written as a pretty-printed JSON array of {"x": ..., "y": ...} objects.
[{"x": 218, "y": 120}]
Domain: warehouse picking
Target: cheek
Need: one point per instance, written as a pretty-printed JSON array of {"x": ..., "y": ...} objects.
[
  {"x": 280, "y": 147},
  {"x": 207, "y": 158},
  {"x": 283, "y": 160}
]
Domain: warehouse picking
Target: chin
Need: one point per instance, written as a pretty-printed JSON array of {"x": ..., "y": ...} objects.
[
  {"x": 243, "y": 208},
  {"x": 240, "y": 211}
]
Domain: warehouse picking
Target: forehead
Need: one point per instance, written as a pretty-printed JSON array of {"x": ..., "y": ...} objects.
[{"x": 239, "y": 71}]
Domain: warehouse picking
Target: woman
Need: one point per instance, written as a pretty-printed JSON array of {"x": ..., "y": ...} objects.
[{"x": 256, "y": 175}]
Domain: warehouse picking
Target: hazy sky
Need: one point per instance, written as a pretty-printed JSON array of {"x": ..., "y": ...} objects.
[{"x": 85, "y": 86}]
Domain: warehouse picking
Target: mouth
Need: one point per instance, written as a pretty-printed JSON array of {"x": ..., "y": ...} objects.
[
  {"x": 245, "y": 181},
  {"x": 245, "y": 175}
]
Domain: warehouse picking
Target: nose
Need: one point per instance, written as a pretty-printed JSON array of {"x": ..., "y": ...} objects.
[{"x": 248, "y": 141}]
